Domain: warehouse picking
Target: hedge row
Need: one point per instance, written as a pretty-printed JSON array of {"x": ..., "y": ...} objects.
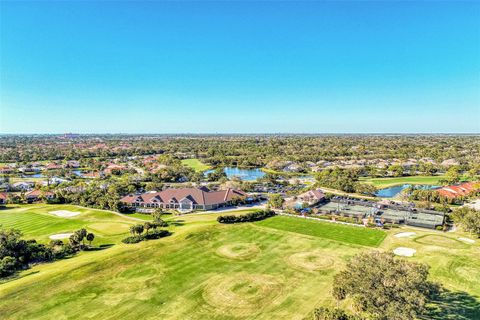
[
  {"x": 156, "y": 234},
  {"x": 254, "y": 216}
]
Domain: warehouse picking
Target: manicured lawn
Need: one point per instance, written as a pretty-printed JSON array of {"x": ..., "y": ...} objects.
[
  {"x": 36, "y": 221},
  {"x": 195, "y": 164},
  {"x": 338, "y": 232},
  {"x": 389, "y": 182},
  {"x": 279, "y": 268}
]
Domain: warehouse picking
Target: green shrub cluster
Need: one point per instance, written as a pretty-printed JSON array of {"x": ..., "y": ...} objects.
[
  {"x": 249, "y": 217},
  {"x": 155, "y": 234}
]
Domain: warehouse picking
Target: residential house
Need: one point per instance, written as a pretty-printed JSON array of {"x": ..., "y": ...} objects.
[
  {"x": 37, "y": 195},
  {"x": 3, "y": 198},
  {"x": 309, "y": 198},
  {"x": 6, "y": 170},
  {"x": 74, "y": 164},
  {"x": 114, "y": 167},
  {"x": 461, "y": 190},
  {"x": 53, "y": 166},
  {"x": 22, "y": 186}
]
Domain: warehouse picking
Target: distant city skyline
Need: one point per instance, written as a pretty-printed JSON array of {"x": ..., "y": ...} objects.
[{"x": 239, "y": 67}]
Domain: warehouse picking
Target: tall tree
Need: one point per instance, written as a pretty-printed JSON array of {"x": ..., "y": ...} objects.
[{"x": 385, "y": 287}]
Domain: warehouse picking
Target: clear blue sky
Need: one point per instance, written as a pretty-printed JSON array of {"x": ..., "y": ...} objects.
[{"x": 171, "y": 67}]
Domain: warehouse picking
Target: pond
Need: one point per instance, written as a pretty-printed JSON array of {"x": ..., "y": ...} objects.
[
  {"x": 395, "y": 190},
  {"x": 78, "y": 172},
  {"x": 243, "y": 174},
  {"x": 33, "y": 175}
]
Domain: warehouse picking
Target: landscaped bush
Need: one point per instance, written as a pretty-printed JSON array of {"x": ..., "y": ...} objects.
[
  {"x": 155, "y": 234},
  {"x": 249, "y": 217}
]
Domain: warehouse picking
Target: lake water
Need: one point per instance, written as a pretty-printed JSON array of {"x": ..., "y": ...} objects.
[
  {"x": 395, "y": 190},
  {"x": 34, "y": 175},
  {"x": 243, "y": 174}
]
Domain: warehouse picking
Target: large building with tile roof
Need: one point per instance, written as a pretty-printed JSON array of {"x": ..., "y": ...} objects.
[{"x": 184, "y": 199}]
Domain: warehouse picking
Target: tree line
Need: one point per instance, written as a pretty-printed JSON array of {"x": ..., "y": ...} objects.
[
  {"x": 249, "y": 217},
  {"x": 18, "y": 254}
]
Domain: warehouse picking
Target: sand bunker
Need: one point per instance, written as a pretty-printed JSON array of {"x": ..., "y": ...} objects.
[
  {"x": 311, "y": 261},
  {"x": 59, "y": 236},
  {"x": 238, "y": 251},
  {"x": 241, "y": 292},
  {"x": 466, "y": 240},
  {"x": 404, "y": 234},
  {"x": 404, "y": 252},
  {"x": 65, "y": 213}
]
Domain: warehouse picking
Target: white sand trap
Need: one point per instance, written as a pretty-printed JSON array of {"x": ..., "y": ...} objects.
[
  {"x": 466, "y": 240},
  {"x": 404, "y": 252},
  {"x": 405, "y": 234},
  {"x": 65, "y": 213},
  {"x": 59, "y": 236}
]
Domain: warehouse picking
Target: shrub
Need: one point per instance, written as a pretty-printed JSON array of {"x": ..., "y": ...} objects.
[
  {"x": 253, "y": 216},
  {"x": 133, "y": 239},
  {"x": 155, "y": 234}
]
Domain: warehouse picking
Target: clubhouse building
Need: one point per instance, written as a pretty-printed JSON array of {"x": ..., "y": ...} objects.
[{"x": 185, "y": 199}]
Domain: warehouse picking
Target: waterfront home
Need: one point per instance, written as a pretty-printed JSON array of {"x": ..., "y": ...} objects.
[{"x": 461, "y": 190}]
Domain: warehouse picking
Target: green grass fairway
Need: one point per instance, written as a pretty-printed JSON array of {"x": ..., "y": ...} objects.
[
  {"x": 332, "y": 231},
  {"x": 269, "y": 269},
  {"x": 195, "y": 164},
  {"x": 36, "y": 221},
  {"x": 390, "y": 182}
]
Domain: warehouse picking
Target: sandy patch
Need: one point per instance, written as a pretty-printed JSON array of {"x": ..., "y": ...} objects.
[
  {"x": 404, "y": 234},
  {"x": 65, "y": 213},
  {"x": 59, "y": 236},
  {"x": 404, "y": 252},
  {"x": 466, "y": 240}
]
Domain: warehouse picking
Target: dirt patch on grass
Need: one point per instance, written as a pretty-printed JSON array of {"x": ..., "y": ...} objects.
[
  {"x": 60, "y": 236},
  {"x": 65, "y": 213},
  {"x": 241, "y": 293},
  {"x": 311, "y": 261},
  {"x": 238, "y": 251}
]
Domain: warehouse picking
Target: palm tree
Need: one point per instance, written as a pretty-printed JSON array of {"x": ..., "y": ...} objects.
[
  {"x": 90, "y": 238},
  {"x": 147, "y": 225},
  {"x": 133, "y": 230}
]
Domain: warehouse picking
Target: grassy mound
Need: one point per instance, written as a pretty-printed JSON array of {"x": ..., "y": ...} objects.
[
  {"x": 238, "y": 251},
  {"x": 241, "y": 293},
  {"x": 441, "y": 241},
  {"x": 311, "y": 261}
]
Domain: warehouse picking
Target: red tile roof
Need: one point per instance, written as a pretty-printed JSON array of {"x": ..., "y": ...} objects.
[
  {"x": 38, "y": 193},
  {"x": 201, "y": 196},
  {"x": 460, "y": 190},
  {"x": 3, "y": 195}
]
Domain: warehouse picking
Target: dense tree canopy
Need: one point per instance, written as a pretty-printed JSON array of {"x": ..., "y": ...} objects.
[{"x": 384, "y": 287}]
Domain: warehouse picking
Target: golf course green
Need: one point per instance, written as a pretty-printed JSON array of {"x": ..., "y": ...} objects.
[{"x": 279, "y": 268}]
